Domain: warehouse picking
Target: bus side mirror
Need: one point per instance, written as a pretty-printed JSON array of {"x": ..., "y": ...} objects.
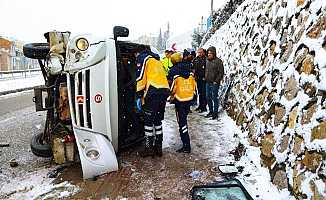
[{"x": 120, "y": 31}]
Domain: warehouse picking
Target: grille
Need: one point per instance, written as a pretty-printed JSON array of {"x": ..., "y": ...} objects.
[{"x": 80, "y": 93}]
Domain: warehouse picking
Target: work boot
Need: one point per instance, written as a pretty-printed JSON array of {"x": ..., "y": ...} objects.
[
  {"x": 214, "y": 116},
  {"x": 184, "y": 149},
  {"x": 202, "y": 110},
  {"x": 185, "y": 141},
  {"x": 148, "y": 147},
  {"x": 180, "y": 150},
  {"x": 210, "y": 114},
  {"x": 158, "y": 145}
]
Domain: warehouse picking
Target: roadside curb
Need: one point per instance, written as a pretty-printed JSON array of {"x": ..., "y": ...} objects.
[{"x": 16, "y": 90}]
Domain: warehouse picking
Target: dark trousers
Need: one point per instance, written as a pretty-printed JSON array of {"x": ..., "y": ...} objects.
[
  {"x": 182, "y": 111},
  {"x": 212, "y": 97},
  {"x": 201, "y": 85},
  {"x": 154, "y": 108}
]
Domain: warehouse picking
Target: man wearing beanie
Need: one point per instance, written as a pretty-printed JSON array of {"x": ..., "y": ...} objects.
[{"x": 214, "y": 73}]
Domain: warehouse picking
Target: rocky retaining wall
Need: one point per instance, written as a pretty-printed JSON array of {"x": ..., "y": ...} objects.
[{"x": 276, "y": 50}]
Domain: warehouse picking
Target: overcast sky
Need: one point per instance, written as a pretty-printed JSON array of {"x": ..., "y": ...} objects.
[{"x": 27, "y": 20}]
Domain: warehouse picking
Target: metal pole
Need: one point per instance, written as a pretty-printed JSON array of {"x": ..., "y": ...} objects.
[{"x": 212, "y": 9}]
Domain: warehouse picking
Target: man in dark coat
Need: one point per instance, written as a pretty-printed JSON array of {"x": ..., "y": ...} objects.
[
  {"x": 199, "y": 65},
  {"x": 183, "y": 90},
  {"x": 213, "y": 75}
]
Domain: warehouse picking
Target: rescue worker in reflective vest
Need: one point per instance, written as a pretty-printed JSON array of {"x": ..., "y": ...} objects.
[
  {"x": 152, "y": 92},
  {"x": 166, "y": 61},
  {"x": 183, "y": 89}
]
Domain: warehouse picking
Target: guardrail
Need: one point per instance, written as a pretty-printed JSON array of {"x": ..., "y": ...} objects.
[{"x": 13, "y": 73}]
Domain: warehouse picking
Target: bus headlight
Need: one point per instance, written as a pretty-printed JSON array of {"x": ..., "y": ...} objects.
[{"x": 82, "y": 44}]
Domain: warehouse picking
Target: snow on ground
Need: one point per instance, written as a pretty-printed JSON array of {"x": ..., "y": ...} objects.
[
  {"x": 221, "y": 137},
  {"x": 37, "y": 185},
  {"x": 18, "y": 83}
]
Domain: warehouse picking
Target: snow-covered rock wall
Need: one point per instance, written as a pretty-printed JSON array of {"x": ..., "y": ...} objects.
[{"x": 276, "y": 50}]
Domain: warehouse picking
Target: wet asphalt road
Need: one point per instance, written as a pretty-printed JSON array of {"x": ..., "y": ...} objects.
[
  {"x": 16, "y": 101},
  {"x": 18, "y": 122}
]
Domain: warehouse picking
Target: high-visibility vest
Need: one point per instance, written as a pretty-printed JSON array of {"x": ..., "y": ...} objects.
[
  {"x": 150, "y": 72},
  {"x": 167, "y": 64},
  {"x": 183, "y": 89}
]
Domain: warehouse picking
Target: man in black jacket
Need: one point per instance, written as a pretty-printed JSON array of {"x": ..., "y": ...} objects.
[
  {"x": 199, "y": 65},
  {"x": 183, "y": 90}
]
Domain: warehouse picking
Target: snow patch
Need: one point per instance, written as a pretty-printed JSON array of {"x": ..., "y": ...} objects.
[
  {"x": 7, "y": 85},
  {"x": 37, "y": 185}
]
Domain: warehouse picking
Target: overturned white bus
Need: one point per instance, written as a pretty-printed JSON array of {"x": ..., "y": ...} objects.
[{"x": 88, "y": 95}]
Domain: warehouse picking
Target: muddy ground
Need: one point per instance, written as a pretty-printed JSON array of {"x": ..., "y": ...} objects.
[{"x": 169, "y": 177}]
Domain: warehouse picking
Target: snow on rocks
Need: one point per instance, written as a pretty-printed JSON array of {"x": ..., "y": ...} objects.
[
  {"x": 276, "y": 51},
  {"x": 255, "y": 178}
]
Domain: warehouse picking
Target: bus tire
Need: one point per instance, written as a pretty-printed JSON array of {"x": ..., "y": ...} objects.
[
  {"x": 39, "y": 148},
  {"x": 36, "y": 50}
]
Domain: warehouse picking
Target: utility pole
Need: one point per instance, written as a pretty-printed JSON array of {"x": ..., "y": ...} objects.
[
  {"x": 212, "y": 9},
  {"x": 201, "y": 24}
]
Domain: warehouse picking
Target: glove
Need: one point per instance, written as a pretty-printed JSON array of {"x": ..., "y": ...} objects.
[{"x": 138, "y": 104}]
